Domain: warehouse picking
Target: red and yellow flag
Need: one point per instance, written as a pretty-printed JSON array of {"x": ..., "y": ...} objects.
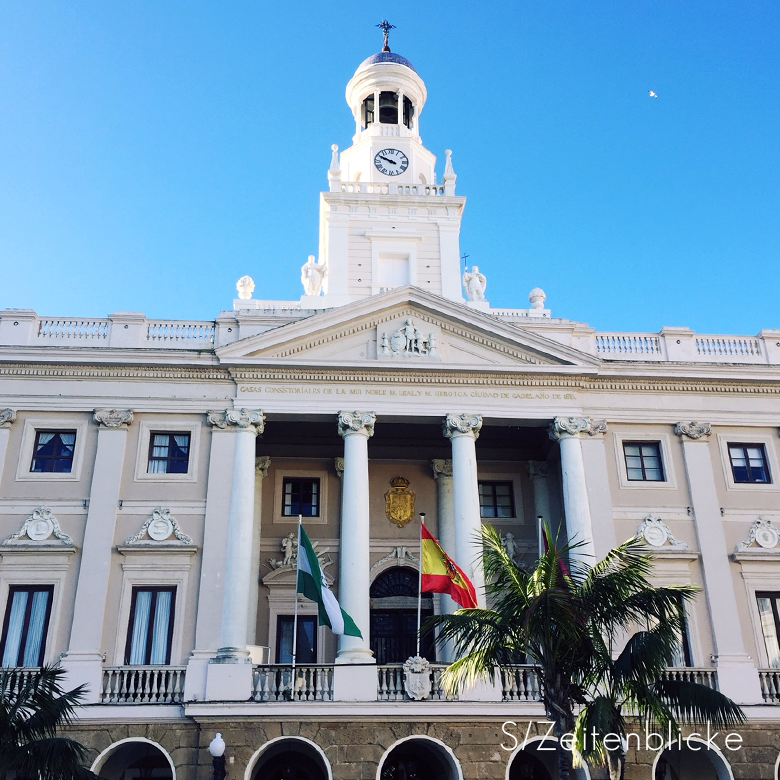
[{"x": 440, "y": 574}]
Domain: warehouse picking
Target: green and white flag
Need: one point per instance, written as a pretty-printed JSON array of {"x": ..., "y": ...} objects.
[{"x": 311, "y": 583}]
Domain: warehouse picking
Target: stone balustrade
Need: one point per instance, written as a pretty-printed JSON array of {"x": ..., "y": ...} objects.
[
  {"x": 275, "y": 682},
  {"x": 705, "y": 675},
  {"x": 381, "y": 188},
  {"x": 143, "y": 685},
  {"x": 770, "y": 685}
]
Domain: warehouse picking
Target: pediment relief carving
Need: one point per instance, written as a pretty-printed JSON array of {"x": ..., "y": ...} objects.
[
  {"x": 411, "y": 332},
  {"x": 159, "y": 529}
]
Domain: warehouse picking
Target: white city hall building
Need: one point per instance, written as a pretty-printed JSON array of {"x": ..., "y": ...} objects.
[{"x": 152, "y": 474}]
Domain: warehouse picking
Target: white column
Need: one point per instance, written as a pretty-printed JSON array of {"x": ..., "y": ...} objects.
[
  {"x": 579, "y": 526},
  {"x": 463, "y": 430},
  {"x": 442, "y": 473},
  {"x": 84, "y": 659},
  {"x": 238, "y": 560},
  {"x": 7, "y": 417},
  {"x": 537, "y": 473},
  {"x": 737, "y": 676},
  {"x": 211, "y": 592},
  {"x": 356, "y": 428},
  {"x": 594, "y": 456},
  {"x": 261, "y": 472}
]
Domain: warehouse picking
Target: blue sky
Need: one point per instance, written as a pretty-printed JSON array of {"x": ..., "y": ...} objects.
[{"x": 152, "y": 152}]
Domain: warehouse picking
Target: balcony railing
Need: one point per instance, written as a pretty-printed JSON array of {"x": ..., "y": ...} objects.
[
  {"x": 520, "y": 683},
  {"x": 704, "y": 675},
  {"x": 272, "y": 682},
  {"x": 143, "y": 685},
  {"x": 16, "y": 679},
  {"x": 770, "y": 685}
]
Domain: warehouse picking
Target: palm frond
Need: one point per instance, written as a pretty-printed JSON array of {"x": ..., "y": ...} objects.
[{"x": 692, "y": 702}]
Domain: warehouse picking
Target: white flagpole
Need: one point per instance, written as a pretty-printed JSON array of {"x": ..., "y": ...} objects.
[
  {"x": 419, "y": 585},
  {"x": 295, "y": 619}
]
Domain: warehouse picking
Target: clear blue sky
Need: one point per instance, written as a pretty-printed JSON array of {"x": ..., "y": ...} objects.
[{"x": 152, "y": 152}]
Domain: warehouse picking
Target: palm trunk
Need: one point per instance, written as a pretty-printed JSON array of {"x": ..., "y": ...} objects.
[
  {"x": 564, "y": 756},
  {"x": 616, "y": 763}
]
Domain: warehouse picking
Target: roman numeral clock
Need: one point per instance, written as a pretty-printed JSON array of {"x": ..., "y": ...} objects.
[{"x": 391, "y": 162}]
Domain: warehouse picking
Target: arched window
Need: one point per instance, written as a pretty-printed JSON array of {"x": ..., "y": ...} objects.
[
  {"x": 394, "y": 617},
  {"x": 368, "y": 111},
  {"x": 290, "y": 759},
  {"x": 421, "y": 759},
  {"x": 134, "y": 759},
  {"x": 408, "y": 111}
]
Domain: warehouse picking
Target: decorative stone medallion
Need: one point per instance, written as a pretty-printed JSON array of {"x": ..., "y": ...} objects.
[
  {"x": 417, "y": 678},
  {"x": 399, "y": 502},
  {"x": 762, "y": 533},
  {"x": 656, "y": 533},
  {"x": 160, "y": 527},
  {"x": 40, "y": 526}
]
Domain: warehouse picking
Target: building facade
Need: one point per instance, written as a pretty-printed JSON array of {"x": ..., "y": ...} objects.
[{"x": 152, "y": 474}]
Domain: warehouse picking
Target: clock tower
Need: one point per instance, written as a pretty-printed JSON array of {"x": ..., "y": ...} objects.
[{"x": 387, "y": 220}]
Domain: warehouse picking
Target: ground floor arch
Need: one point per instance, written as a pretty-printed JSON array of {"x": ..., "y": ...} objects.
[
  {"x": 537, "y": 759},
  {"x": 134, "y": 759},
  {"x": 694, "y": 760},
  {"x": 419, "y": 758},
  {"x": 289, "y": 758}
]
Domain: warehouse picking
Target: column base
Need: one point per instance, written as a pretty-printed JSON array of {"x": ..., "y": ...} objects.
[
  {"x": 84, "y": 669},
  {"x": 738, "y": 678},
  {"x": 355, "y": 657},
  {"x": 355, "y": 683},
  {"x": 232, "y": 655},
  {"x": 229, "y": 681}
]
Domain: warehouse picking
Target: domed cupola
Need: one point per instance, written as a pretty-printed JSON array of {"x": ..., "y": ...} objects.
[{"x": 386, "y": 95}]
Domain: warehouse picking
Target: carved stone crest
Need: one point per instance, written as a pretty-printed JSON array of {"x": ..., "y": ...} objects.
[
  {"x": 762, "y": 533},
  {"x": 656, "y": 533},
  {"x": 289, "y": 549},
  {"x": 160, "y": 526},
  {"x": 7, "y": 416},
  {"x": 399, "y": 502},
  {"x": 408, "y": 340},
  {"x": 417, "y": 678},
  {"x": 113, "y": 418},
  {"x": 693, "y": 430},
  {"x": 40, "y": 526}
]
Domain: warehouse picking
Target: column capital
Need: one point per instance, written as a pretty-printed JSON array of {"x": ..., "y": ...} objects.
[
  {"x": 261, "y": 465},
  {"x": 7, "y": 417},
  {"x": 338, "y": 464},
  {"x": 537, "y": 469},
  {"x": 441, "y": 468},
  {"x": 356, "y": 422},
  {"x": 113, "y": 418},
  {"x": 237, "y": 419},
  {"x": 462, "y": 425},
  {"x": 693, "y": 431},
  {"x": 567, "y": 427}
]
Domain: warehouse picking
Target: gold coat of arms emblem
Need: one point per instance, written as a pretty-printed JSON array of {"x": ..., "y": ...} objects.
[{"x": 399, "y": 502}]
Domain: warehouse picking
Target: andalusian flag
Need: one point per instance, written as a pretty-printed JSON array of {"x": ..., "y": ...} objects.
[
  {"x": 440, "y": 574},
  {"x": 311, "y": 583}
]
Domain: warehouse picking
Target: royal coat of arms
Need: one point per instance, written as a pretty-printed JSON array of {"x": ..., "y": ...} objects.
[
  {"x": 417, "y": 678},
  {"x": 399, "y": 502}
]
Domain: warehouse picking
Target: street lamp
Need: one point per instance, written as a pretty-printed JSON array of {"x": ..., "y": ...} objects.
[{"x": 217, "y": 750}]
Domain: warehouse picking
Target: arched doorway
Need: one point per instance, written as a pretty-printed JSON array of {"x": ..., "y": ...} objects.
[
  {"x": 537, "y": 759},
  {"x": 694, "y": 762},
  {"x": 134, "y": 759},
  {"x": 290, "y": 759},
  {"x": 419, "y": 758},
  {"x": 394, "y": 616}
]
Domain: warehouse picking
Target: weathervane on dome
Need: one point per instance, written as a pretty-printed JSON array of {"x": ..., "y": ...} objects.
[{"x": 385, "y": 26}]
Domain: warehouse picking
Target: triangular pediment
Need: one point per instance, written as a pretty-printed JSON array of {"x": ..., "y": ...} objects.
[{"x": 404, "y": 328}]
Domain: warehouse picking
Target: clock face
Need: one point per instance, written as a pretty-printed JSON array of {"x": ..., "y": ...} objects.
[{"x": 391, "y": 162}]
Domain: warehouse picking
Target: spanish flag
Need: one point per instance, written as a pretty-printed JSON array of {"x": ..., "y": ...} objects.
[{"x": 440, "y": 574}]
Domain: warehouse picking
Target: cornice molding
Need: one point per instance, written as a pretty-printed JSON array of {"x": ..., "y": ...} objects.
[{"x": 113, "y": 372}]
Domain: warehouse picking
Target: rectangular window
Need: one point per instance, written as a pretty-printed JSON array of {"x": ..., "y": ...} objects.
[
  {"x": 26, "y": 624},
  {"x": 53, "y": 452},
  {"x": 300, "y": 497},
  {"x": 150, "y": 631},
  {"x": 496, "y": 499},
  {"x": 306, "y": 650},
  {"x": 770, "y": 626},
  {"x": 169, "y": 453},
  {"x": 748, "y": 463},
  {"x": 643, "y": 461},
  {"x": 682, "y": 654}
]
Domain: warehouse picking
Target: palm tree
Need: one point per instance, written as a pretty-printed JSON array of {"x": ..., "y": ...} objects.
[
  {"x": 33, "y": 706},
  {"x": 567, "y": 623}
]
